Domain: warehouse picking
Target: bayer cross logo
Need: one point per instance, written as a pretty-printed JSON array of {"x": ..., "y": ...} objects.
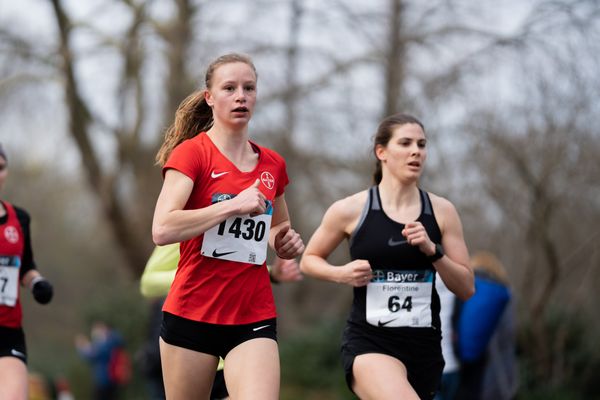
[
  {"x": 11, "y": 234},
  {"x": 378, "y": 276},
  {"x": 267, "y": 180}
]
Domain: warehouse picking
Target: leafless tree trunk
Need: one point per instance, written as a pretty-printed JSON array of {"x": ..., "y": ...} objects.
[
  {"x": 395, "y": 60},
  {"x": 126, "y": 203},
  {"x": 80, "y": 121}
]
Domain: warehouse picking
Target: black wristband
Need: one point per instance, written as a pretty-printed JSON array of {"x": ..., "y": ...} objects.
[{"x": 439, "y": 253}]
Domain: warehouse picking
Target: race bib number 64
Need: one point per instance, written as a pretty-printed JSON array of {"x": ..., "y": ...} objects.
[{"x": 399, "y": 298}]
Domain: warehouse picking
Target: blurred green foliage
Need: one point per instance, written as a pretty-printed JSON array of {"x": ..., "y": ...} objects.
[
  {"x": 572, "y": 371},
  {"x": 311, "y": 366}
]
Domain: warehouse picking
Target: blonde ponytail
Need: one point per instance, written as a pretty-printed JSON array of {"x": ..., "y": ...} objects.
[{"x": 192, "y": 117}]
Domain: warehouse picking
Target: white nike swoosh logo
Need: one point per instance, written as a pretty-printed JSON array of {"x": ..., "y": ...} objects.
[
  {"x": 258, "y": 328},
  {"x": 17, "y": 353},
  {"x": 216, "y": 175},
  {"x": 393, "y": 243}
]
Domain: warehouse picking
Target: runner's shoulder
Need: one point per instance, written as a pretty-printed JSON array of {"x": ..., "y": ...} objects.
[{"x": 349, "y": 208}]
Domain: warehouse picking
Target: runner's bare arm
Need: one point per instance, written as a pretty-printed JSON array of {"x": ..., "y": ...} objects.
[
  {"x": 454, "y": 267},
  {"x": 284, "y": 240},
  {"x": 172, "y": 223},
  {"x": 337, "y": 224}
]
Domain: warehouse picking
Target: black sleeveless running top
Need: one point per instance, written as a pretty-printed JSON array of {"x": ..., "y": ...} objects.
[{"x": 378, "y": 239}]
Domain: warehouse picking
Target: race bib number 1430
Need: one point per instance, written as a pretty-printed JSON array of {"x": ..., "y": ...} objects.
[{"x": 240, "y": 238}]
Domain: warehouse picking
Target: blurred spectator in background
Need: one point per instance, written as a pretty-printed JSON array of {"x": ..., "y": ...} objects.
[
  {"x": 485, "y": 331},
  {"x": 38, "y": 387},
  {"x": 63, "y": 389},
  {"x": 101, "y": 352}
]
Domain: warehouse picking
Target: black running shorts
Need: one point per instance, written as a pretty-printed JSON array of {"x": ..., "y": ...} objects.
[
  {"x": 420, "y": 352},
  {"x": 12, "y": 343},
  {"x": 217, "y": 340}
]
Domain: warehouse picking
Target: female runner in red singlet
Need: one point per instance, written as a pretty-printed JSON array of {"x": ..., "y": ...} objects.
[
  {"x": 17, "y": 268},
  {"x": 222, "y": 198}
]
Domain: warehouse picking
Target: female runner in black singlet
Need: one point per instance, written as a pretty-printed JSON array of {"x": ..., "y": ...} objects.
[{"x": 399, "y": 236}]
